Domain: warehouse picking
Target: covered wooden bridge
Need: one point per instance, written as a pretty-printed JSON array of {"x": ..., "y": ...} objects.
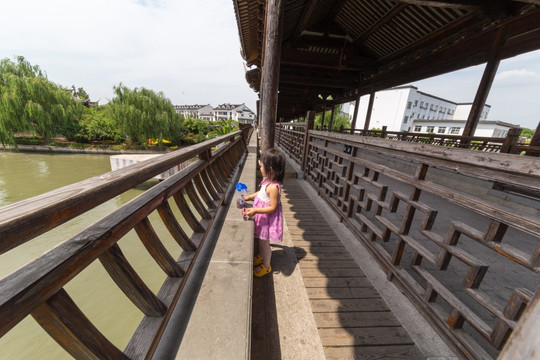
[
  {"x": 456, "y": 230},
  {"x": 449, "y": 224}
]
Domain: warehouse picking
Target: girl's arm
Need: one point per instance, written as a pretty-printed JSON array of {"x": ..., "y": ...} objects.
[
  {"x": 251, "y": 196},
  {"x": 273, "y": 193}
]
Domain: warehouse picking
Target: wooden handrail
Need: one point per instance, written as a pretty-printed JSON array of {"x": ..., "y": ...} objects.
[{"x": 37, "y": 287}]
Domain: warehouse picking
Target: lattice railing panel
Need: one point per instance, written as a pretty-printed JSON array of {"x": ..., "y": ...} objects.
[{"x": 471, "y": 262}]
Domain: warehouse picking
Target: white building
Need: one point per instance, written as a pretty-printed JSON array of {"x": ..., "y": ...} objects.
[
  {"x": 202, "y": 112},
  {"x": 484, "y": 128},
  {"x": 238, "y": 112},
  {"x": 405, "y": 108}
]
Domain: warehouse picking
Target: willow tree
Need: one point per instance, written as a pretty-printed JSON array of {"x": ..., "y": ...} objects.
[
  {"x": 339, "y": 119},
  {"x": 142, "y": 114},
  {"x": 30, "y": 103}
]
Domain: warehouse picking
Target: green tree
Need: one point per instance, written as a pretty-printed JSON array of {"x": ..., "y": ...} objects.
[
  {"x": 83, "y": 95},
  {"x": 528, "y": 133},
  {"x": 194, "y": 131},
  {"x": 142, "y": 114},
  {"x": 30, "y": 103},
  {"x": 224, "y": 127},
  {"x": 339, "y": 119},
  {"x": 97, "y": 124}
]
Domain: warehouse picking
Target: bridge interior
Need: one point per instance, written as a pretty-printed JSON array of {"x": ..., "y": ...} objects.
[{"x": 327, "y": 298}]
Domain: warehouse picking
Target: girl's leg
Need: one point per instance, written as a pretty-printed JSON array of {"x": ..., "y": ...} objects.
[{"x": 266, "y": 252}]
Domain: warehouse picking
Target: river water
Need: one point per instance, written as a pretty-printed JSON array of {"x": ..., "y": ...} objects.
[{"x": 23, "y": 175}]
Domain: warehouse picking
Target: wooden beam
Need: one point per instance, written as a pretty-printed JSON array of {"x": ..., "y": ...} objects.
[
  {"x": 270, "y": 72},
  {"x": 306, "y": 15},
  {"x": 457, "y": 4},
  {"x": 336, "y": 9},
  {"x": 470, "y": 5},
  {"x": 446, "y": 31},
  {"x": 377, "y": 25},
  {"x": 485, "y": 85},
  {"x": 369, "y": 109},
  {"x": 521, "y": 34},
  {"x": 322, "y": 82},
  {"x": 301, "y": 58}
]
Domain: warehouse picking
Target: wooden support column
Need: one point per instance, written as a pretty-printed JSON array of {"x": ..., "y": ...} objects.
[
  {"x": 485, "y": 85},
  {"x": 310, "y": 121},
  {"x": 332, "y": 115},
  {"x": 270, "y": 72},
  {"x": 535, "y": 141},
  {"x": 323, "y": 115},
  {"x": 258, "y": 117},
  {"x": 355, "y": 114},
  {"x": 370, "y": 109}
]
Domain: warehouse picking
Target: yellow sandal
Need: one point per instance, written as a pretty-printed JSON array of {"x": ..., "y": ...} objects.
[
  {"x": 258, "y": 260},
  {"x": 261, "y": 270}
]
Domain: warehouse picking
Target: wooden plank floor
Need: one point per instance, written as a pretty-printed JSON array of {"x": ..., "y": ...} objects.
[{"x": 353, "y": 320}]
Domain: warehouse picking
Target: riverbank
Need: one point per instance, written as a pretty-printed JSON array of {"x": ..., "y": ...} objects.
[{"x": 70, "y": 150}]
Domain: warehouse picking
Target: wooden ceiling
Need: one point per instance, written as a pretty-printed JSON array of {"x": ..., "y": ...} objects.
[{"x": 347, "y": 48}]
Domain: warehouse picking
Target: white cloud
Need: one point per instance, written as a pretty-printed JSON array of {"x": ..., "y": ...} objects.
[
  {"x": 188, "y": 49},
  {"x": 517, "y": 76}
]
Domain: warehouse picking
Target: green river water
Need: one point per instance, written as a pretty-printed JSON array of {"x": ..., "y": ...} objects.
[{"x": 23, "y": 175}]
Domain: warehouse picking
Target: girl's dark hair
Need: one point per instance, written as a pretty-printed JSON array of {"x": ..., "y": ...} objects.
[{"x": 274, "y": 159}]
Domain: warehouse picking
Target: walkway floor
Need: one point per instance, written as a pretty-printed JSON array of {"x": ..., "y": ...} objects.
[{"x": 350, "y": 316}]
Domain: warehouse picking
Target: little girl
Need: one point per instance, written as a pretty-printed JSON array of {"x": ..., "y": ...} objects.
[{"x": 267, "y": 209}]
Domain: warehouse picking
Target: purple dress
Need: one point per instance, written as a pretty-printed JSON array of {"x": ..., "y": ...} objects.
[{"x": 268, "y": 226}]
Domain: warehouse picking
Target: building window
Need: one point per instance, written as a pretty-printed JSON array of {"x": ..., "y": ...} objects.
[
  {"x": 415, "y": 103},
  {"x": 430, "y": 129},
  {"x": 417, "y": 128},
  {"x": 405, "y": 119},
  {"x": 442, "y": 130},
  {"x": 409, "y": 105},
  {"x": 455, "y": 130}
]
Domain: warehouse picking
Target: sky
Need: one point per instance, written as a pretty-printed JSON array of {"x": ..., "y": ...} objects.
[{"x": 190, "y": 50}]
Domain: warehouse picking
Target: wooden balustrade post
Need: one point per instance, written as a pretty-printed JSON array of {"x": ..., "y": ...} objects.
[
  {"x": 355, "y": 115},
  {"x": 384, "y": 131},
  {"x": 310, "y": 121},
  {"x": 511, "y": 140},
  {"x": 279, "y": 131}
]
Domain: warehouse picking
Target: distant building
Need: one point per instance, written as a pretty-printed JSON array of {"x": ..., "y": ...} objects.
[
  {"x": 202, "y": 112},
  {"x": 484, "y": 128},
  {"x": 238, "y": 112},
  {"x": 405, "y": 108}
]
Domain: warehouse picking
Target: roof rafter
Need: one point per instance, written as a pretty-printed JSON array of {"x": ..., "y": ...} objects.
[{"x": 389, "y": 15}]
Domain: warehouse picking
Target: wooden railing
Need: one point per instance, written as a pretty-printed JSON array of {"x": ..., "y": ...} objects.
[
  {"x": 509, "y": 144},
  {"x": 480, "y": 143},
  {"x": 291, "y": 138},
  {"x": 457, "y": 230},
  {"x": 38, "y": 287}
]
